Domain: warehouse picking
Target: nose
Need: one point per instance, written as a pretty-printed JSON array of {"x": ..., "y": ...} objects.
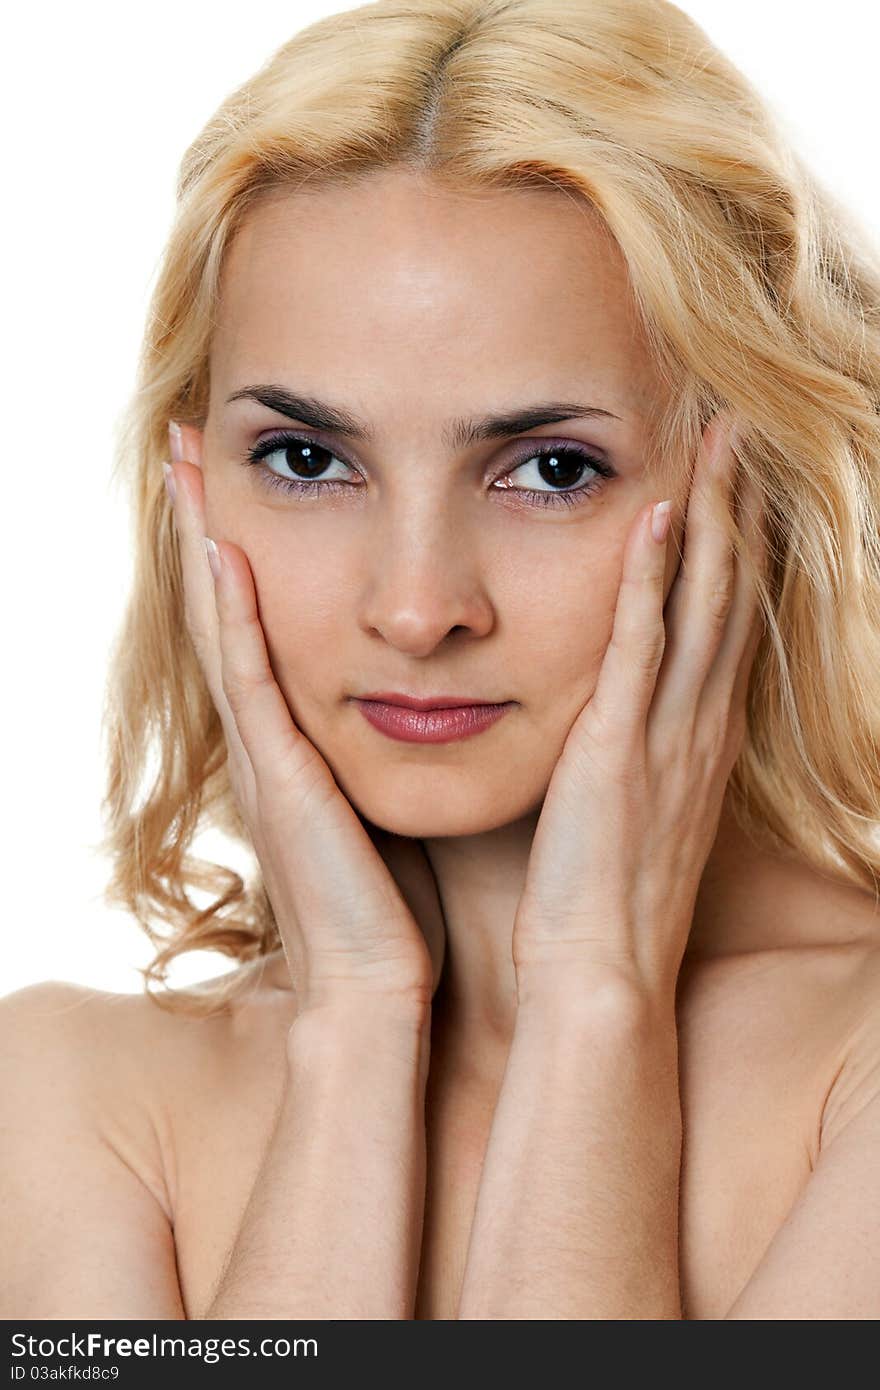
[{"x": 425, "y": 582}]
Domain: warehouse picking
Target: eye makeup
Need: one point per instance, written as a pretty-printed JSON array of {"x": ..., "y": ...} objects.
[{"x": 312, "y": 456}]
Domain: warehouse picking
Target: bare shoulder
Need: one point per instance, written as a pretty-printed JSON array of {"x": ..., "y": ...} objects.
[
  {"x": 793, "y": 994},
  {"x": 136, "y": 1063},
  {"x": 85, "y": 1225},
  {"x": 106, "y": 1049},
  {"x": 828, "y": 980},
  {"x": 85, "y": 1038},
  {"x": 855, "y": 1084},
  {"x": 95, "y": 1088}
]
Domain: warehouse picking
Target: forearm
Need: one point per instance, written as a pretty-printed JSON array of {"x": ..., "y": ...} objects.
[
  {"x": 577, "y": 1211},
  {"x": 333, "y": 1225}
]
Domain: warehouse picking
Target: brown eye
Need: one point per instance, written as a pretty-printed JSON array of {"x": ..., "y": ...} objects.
[
  {"x": 307, "y": 460},
  {"x": 561, "y": 467}
]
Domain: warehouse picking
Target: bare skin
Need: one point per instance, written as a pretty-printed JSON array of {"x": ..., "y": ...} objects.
[
  {"x": 774, "y": 995},
  {"x": 404, "y": 311},
  {"x": 184, "y": 1108}
]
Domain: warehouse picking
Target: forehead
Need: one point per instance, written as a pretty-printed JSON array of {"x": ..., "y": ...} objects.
[{"x": 398, "y": 273}]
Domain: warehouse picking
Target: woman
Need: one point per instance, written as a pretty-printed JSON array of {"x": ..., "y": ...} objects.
[{"x": 510, "y": 357}]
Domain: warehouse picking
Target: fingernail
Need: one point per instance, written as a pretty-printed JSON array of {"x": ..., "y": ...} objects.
[
  {"x": 170, "y": 484},
  {"x": 213, "y": 556},
  {"x": 660, "y": 519},
  {"x": 175, "y": 440}
]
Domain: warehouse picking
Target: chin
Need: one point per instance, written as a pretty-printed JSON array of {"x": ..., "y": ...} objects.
[{"x": 420, "y": 809}]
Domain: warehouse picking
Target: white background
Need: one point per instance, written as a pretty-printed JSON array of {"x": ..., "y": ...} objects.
[{"x": 99, "y": 103}]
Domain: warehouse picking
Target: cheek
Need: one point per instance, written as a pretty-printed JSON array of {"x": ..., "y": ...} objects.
[
  {"x": 301, "y": 606},
  {"x": 562, "y": 644}
]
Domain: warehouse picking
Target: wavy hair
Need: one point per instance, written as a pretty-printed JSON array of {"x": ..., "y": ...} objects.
[{"x": 756, "y": 291}]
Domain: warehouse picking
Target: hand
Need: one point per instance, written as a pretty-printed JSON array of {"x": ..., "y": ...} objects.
[
  {"x": 347, "y": 924},
  {"x": 634, "y": 803}
]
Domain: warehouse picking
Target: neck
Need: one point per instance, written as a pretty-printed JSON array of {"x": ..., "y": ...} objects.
[
  {"x": 480, "y": 879},
  {"x": 749, "y": 899}
]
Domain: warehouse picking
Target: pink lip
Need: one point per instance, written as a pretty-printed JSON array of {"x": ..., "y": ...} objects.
[
  {"x": 394, "y": 697},
  {"x": 429, "y": 721}
]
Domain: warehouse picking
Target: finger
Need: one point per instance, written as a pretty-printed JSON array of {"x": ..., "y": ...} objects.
[
  {"x": 280, "y": 755},
  {"x": 632, "y": 659},
  {"x": 728, "y": 681},
  {"x": 200, "y": 607},
  {"x": 200, "y": 612},
  {"x": 698, "y": 605}
]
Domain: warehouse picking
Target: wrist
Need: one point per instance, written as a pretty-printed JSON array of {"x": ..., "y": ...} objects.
[
  {"x": 399, "y": 993},
  {"x": 616, "y": 994},
  {"x": 359, "y": 1023}
]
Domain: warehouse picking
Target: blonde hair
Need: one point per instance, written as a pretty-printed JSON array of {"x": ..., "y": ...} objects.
[{"x": 756, "y": 292}]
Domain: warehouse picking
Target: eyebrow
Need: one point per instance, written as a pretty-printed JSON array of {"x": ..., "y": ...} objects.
[{"x": 457, "y": 434}]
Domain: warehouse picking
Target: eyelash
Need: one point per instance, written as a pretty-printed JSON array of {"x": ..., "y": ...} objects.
[{"x": 303, "y": 486}]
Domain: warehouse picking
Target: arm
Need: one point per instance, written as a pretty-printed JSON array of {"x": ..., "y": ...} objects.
[
  {"x": 577, "y": 1212},
  {"x": 334, "y": 1221}
]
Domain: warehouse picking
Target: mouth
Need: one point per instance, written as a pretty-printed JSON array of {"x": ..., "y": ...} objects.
[
  {"x": 395, "y": 697},
  {"x": 435, "y": 719}
]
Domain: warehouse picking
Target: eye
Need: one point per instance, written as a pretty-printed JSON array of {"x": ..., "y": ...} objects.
[
  {"x": 560, "y": 466},
  {"x": 302, "y": 455}
]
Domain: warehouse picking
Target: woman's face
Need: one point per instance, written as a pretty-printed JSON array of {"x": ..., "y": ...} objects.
[{"x": 419, "y": 561}]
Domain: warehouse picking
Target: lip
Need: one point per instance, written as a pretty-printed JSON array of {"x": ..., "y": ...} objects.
[
  {"x": 429, "y": 722},
  {"x": 394, "y": 697}
]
